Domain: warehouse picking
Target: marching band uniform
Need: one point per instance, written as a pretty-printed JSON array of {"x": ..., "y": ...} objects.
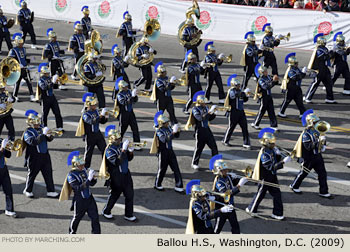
[
  {"x": 19, "y": 53},
  {"x": 5, "y": 180},
  {"x": 162, "y": 146},
  {"x": 267, "y": 46},
  {"x": 118, "y": 68},
  {"x": 319, "y": 62},
  {"x": 86, "y": 22},
  {"x": 200, "y": 116},
  {"x": 6, "y": 99},
  {"x": 127, "y": 33},
  {"x": 265, "y": 83},
  {"x": 116, "y": 158},
  {"x": 291, "y": 84},
  {"x": 77, "y": 44},
  {"x": 37, "y": 157},
  {"x": 235, "y": 102},
  {"x": 25, "y": 18},
  {"x": 213, "y": 72},
  {"x": 340, "y": 62},
  {"x": 4, "y": 31},
  {"x": 309, "y": 149}
]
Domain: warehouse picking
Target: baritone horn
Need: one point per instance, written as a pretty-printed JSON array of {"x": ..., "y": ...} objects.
[
  {"x": 14, "y": 145},
  {"x": 10, "y": 71}
]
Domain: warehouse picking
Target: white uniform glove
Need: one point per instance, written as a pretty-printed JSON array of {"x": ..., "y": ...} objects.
[
  {"x": 91, "y": 174},
  {"x": 211, "y": 198},
  {"x": 242, "y": 181},
  {"x": 99, "y": 73},
  {"x": 134, "y": 92},
  {"x": 145, "y": 56},
  {"x": 175, "y": 128},
  {"x": 203, "y": 64},
  {"x": 45, "y": 131},
  {"x": 55, "y": 78},
  {"x": 323, "y": 148},
  {"x": 226, "y": 209},
  {"x": 279, "y": 37},
  {"x": 246, "y": 91},
  {"x": 2, "y": 106},
  {"x": 151, "y": 50},
  {"x": 131, "y": 149},
  {"x": 104, "y": 111},
  {"x": 304, "y": 70},
  {"x": 125, "y": 145},
  {"x": 287, "y": 159},
  {"x": 4, "y": 143},
  {"x": 172, "y": 79},
  {"x": 126, "y": 58},
  {"x": 277, "y": 151},
  {"x": 323, "y": 139},
  {"x": 81, "y": 50},
  {"x": 10, "y": 99},
  {"x": 221, "y": 56},
  {"x": 212, "y": 109},
  {"x": 21, "y": 66},
  {"x": 261, "y": 47}
]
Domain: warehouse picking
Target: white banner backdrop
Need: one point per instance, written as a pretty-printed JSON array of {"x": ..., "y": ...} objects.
[{"x": 218, "y": 21}]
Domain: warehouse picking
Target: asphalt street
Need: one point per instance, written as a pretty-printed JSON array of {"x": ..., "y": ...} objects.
[{"x": 166, "y": 212}]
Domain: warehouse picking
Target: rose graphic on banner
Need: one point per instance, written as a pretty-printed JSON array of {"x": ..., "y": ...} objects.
[
  {"x": 61, "y": 5},
  {"x": 152, "y": 13},
  {"x": 258, "y": 25},
  {"x": 204, "y": 21},
  {"x": 325, "y": 28},
  {"x": 104, "y": 9},
  {"x": 17, "y": 2}
]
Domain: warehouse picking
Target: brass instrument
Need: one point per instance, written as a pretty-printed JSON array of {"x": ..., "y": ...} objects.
[
  {"x": 248, "y": 172},
  {"x": 226, "y": 59},
  {"x": 94, "y": 43},
  {"x": 194, "y": 10},
  {"x": 55, "y": 132},
  {"x": 10, "y": 71},
  {"x": 226, "y": 195},
  {"x": 219, "y": 108},
  {"x": 14, "y": 145},
  {"x": 142, "y": 145},
  {"x": 181, "y": 82},
  {"x": 112, "y": 112},
  {"x": 286, "y": 37},
  {"x": 285, "y": 152},
  {"x": 152, "y": 29},
  {"x": 97, "y": 175},
  {"x": 8, "y": 105},
  {"x": 322, "y": 127}
]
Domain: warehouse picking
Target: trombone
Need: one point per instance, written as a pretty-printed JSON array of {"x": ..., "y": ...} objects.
[
  {"x": 14, "y": 145},
  {"x": 226, "y": 196},
  {"x": 248, "y": 172}
]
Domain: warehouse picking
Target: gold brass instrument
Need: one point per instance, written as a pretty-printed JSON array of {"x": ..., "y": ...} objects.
[
  {"x": 226, "y": 59},
  {"x": 111, "y": 112},
  {"x": 322, "y": 127},
  {"x": 94, "y": 43},
  {"x": 63, "y": 79},
  {"x": 142, "y": 145},
  {"x": 219, "y": 108},
  {"x": 285, "y": 152},
  {"x": 286, "y": 37},
  {"x": 152, "y": 29},
  {"x": 8, "y": 105},
  {"x": 14, "y": 145},
  {"x": 10, "y": 71},
  {"x": 248, "y": 172},
  {"x": 181, "y": 82},
  {"x": 194, "y": 10},
  {"x": 55, "y": 132},
  {"x": 226, "y": 195},
  {"x": 99, "y": 176}
]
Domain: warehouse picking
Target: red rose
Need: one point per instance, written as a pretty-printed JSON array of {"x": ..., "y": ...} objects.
[
  {"x": 105, "y": 6},
  {"x": 61, "y": 3},
  {"x": 260, "y": 22},
  {"x": 153, "y": 12},
  {"x": 324, "y": 27},
  {"x": 205, "y": 17}
]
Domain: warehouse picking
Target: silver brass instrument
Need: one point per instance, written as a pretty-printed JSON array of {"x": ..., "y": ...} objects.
[
  {"x": 286, "y": 37},
  {"x": 10, "y": 71},
  {"x": 14, "y": 145}
]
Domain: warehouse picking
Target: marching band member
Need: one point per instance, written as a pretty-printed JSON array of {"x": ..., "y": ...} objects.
[
  {"x": 37, "y": 157},
  {"x": 189, "y": 33},
  {"x": 116, "y": 163},
  {"x": 19, "y": 53},
  {"x": 52, "y": 53},
  {"x": 162, "y": 146},
  {"x": 319, "y": 62},
  {"x": 265, "y": 84},
  {"x": 225, "y": 182},
  {"x": 5, "y": 180},
  {"x": 249, "y": 57},
  {"x": 77, "y": 44},
  {"x": 291, "y": 85},
  {"x": 4, "y": 31},
  {"x": 45, "y": 89},
  {"x": 6, "y": 110},
  {"x": 117, "y": 67},
  {"x": 267, "y": 46},
  {"x": 91, "y": 71},
  {"x": 89, "y": 127},
  {"x": 213, "y": 71},
  {"x": 126, "y": 32},
  {"x": 309, "y": 148},
  {"x": 193, "y": 72},
  {"x": 200, "y": 116},
  {"x": 86, "y": 22},
  {"x": 235, "y": 103},
  {"x": 162, "y": 91},
  {"x": 125, "y": 100},
  {"x": 143, "y": 52},
  {"x": 25, "y": 18},
  {"x": 79, "y": 180},
  {"x": 199, "y": 212},
  {"x": 340, "y": 61},
  {"x": 266, "y": 166}
]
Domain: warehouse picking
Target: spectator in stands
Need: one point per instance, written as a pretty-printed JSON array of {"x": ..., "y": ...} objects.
[
  {"x": 331, "y": 5},
  {"x": 345, "y": 5},
  {"x": 311, "y": 5},
  {"x": 258, "y": 3},
  {"x": 284, "y": 4},
  {"x": 246, "y": 2},
  {"x": 298, "y": 5},
  {"x": 271, "y": 4}
]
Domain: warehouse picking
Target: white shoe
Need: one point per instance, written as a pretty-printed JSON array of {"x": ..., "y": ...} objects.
[
  {"x": 63, "y": 87},
  {"x": 277, "y": 217},
  {"x": 246, "y": 146},
  {"x": 222, "y": 101},
  {"x": 196, "y": 167},
  {"x": 323, "y": 88},
  {"x": 137, "y": 148},
  {"x": 281, "y": 115},
  {"x": 275, "y": 129},
  {"x": 330, "y": 101},
  {"x": 32, "y": 98},
  {"x": 33, "y": 46},
  {"x": 346, "y": 92},
  {"x": 251, "y": 213},
  {"x": 16, "y": 98},
  {"x": 107, "y": 216},
  {"x": 148, "y": 90},
  {"x": 308, "y": 101},
  {"x": 11, "y": 214},
  {"x": 52, "y": 194},
  {"x": 28, "y": 194},
  {"x": 179, "y": 189},
  {"x": 159, "y": 188},
  {"x": 182, "y": 71},
  {"x": 348, "y": 165},
  {"x": 132, "y": 218},
  {"x": 255, "y": 126},
  {"x": 74, "y": 77},
  {"x": 300, "y": 116},
  {"x": 326, "y": 195},
  {"x": 297, "y": 191}
]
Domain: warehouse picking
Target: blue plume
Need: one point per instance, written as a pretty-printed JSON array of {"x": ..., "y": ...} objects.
[
  {"x": 316, "y": 36},
  {"x": 190, "y": 184},
  {"x": 41, "y": 65},
  {"x": 70, "y": 157},
  {"x": 186, "y": 56},
  {"x": 87, "y": 95},
  {"x": 17, "y": 34},
  {"x": 196, "y": 95},
  {"x": 108, "y": 128},
  {"x": 208, "y": 44},
  {"x": 77, "y": 22},
  {"x": 303, "y": 118},
  {"x": 157, "y": 65},
  {"x": 155, "y": 119},
  {"x": 287, "y": 57},
  {"x": 48, "y": 30},
  {"x": 247, "y": 34},
  {"x": 85, "y": 6},
  {"x": 230, "y": 78},
  {"x": 256, "y": 70},
  {"x": 112, "y": 50},
  {"x": 261, "y": 133},
  {"x": 125, "y": 14},
  {"x": 31, "y": 111},
  {"x": 267, "y": 24},
  {"x": 212, "y": 161},
  {"x": 117, "y": 83},
  {"x": 335, "y": 35}
]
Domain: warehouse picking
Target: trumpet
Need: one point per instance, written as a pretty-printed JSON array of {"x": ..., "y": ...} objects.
[
  {"x": 322, "y": 127},
  {"x": 55, "y": 132},
  {"x": 180, "y": 82},
  {"x": 97, "y": 175},
  {"x": 63, "y": 79},
  {"x": 226, "y": 59},
  {"x": 142, "y": 145},
  {"x": 220, "y": 108},
  {"x": 281, "y": 37},
  {"x": 14, "y": 145},
  {"x": 112, "y": 112}
]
